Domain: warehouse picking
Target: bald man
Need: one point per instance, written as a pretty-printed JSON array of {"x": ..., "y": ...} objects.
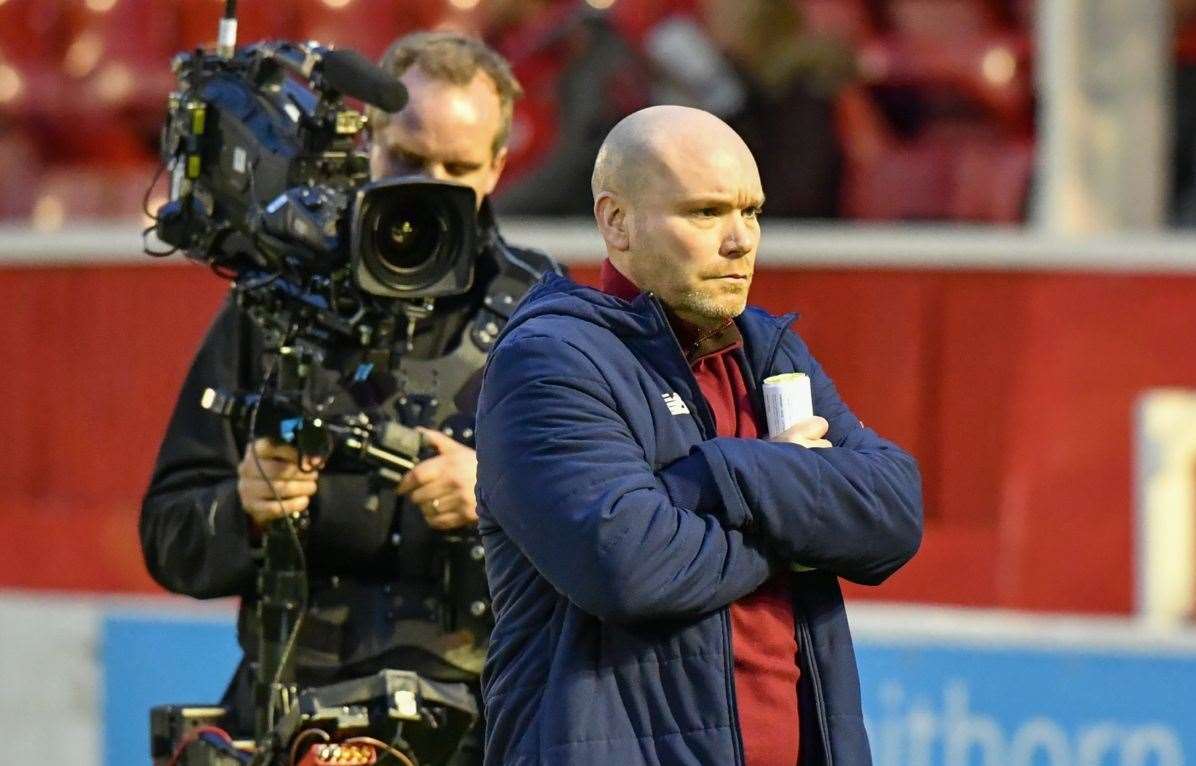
[{"x": 642, "y": 531}]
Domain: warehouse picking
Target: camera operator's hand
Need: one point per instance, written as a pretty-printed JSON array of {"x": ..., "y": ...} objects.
[
  {"x": 283, "y": 475},
  {"x": 807, "y": 432},
  {"x": 442, "y": 486}
]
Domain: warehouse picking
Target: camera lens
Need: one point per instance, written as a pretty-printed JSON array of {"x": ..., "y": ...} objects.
[
  {"x": 414, "y": 238},
  {"x": 406, "y": 237}
]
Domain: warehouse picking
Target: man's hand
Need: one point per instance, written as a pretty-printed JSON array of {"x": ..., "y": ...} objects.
[
  {"x": 442, "y": 486},
  {"x": 807, "y": 432},
  {"x": 284, "y": 479}
]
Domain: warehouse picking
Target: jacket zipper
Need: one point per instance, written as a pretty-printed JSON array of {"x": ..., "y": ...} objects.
[
  {"x": 806, "y": 647},
  {"x": 756, "y": 383},
  {"x": 706, "y": 425},
  {"x": 805, "y": 638},
  {"x": 729, "y": 674}
]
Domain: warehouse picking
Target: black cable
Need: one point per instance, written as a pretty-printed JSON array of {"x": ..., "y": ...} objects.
[
  {"x": 155, "y": 253},
  {"x": 288, "y": 650},
  {"x": 298, "y": 741},
  {"x": 150, "y": 190},
  {"x": 145, "y": 209}
]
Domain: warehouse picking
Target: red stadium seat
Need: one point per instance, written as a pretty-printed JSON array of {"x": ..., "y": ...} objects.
[
  {"x": 974, "y": 180},
  {"x": 20, "y": 165},
  {"x": 862, "y": 129},
  {"x": 537, "y": 54},
  {"x": 72, "y": 193},
  {"x": 635, "y": 18},
  {"x": 942, "y": 128},
  {"x": 29, "y": 29},
  {"x": 140, "y": 33},
  {"x": 199, "y": 21},
  {"x": 367, "y": 26},
  {"x": 117, "y": 55},
  {"x": 943, "y": 19},
  {"x": 845, "y": 19},
  {"x": 992, "y": 180},
  {"x": 107, "y": 138},
  {"x": 31, "y": 42},
  {"x": 903, "y": 183},
  {"x": 991, "y": 72}
]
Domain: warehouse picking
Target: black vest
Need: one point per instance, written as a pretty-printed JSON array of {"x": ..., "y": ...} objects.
[{"x": 382, "y": 582}]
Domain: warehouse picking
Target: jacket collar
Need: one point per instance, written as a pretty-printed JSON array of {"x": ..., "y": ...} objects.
[
  {"x": 641, "y": 317},
  {"x": 696, "y": 342},
  {"x": 762, "y": 336},
  {"x": 612, "y": 282}
]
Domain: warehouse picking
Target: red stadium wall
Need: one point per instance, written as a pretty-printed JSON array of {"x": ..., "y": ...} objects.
[{"x": 1015, "y": 391}]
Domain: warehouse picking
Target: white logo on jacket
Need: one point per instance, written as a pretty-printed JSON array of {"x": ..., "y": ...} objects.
[{"x": 675, "y": 404}]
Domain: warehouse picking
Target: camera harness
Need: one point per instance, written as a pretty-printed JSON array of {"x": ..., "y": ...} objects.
[{"x": 225, "y": 163}]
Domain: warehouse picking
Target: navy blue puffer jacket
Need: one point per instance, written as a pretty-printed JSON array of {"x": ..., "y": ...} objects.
[{"x": 618, "y": 529}]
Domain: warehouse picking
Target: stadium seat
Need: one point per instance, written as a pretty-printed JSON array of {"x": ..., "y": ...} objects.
[
  {"x": 992, "y": 181},
  {"x": 20, "y": 166},
  {"x": 72, "y": 193},
  {"x": 991, "y": 72},
  {"x": 963, "y": 171},
  {"x": 30, "y": 44},
  {"x": 845, "y": 19},
  {"x": 902, "y": 183},
  {"x": 29, "y": 29},
  {"x": 635, "y": 18},
  {"x": 943, "y": 19},
  {"x": 199, "y": 21},
  {"x": 367, "y": 26},
  {"x": 117, "y": 55},
  {"x": 978, "y": 180}
]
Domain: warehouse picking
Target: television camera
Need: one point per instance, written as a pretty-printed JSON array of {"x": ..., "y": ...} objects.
[{"x": 270, "y": 188}]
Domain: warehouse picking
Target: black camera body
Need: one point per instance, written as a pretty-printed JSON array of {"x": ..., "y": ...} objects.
[{"x": 270, "y": 186}]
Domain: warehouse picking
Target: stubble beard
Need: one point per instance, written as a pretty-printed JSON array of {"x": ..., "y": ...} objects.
[{"x": 714, "y": 308}]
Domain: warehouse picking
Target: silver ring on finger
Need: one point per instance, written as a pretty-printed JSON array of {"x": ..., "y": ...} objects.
[{"x": 435, "y": 504}]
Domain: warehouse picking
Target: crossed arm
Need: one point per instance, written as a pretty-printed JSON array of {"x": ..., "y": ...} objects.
[{"x": 563, "y": 476}]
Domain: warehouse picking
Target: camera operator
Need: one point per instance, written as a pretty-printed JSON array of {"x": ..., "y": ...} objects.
[{"x": 370, "y": 554}]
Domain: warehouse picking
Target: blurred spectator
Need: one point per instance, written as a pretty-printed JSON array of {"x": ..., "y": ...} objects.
[
  {"x": 1183, "y": 157},
  {"x": 581, "y": 77},
  {"x": 756, "y": 65},
  {"x": 790, "y": 78},
  {"x": 941, "y": 107}
]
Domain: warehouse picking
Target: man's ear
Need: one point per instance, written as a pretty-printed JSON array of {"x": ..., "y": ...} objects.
[{"x": 611, "y": 215}]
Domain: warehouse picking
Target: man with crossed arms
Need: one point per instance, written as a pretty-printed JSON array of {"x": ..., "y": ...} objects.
[{"x": 640, "y": 530}]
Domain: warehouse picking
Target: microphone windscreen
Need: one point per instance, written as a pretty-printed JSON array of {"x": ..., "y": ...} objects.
[{"x": 354, "y": 75}]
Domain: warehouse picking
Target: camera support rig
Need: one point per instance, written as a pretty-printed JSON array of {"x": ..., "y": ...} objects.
[{"x": 270, "y": 189}]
